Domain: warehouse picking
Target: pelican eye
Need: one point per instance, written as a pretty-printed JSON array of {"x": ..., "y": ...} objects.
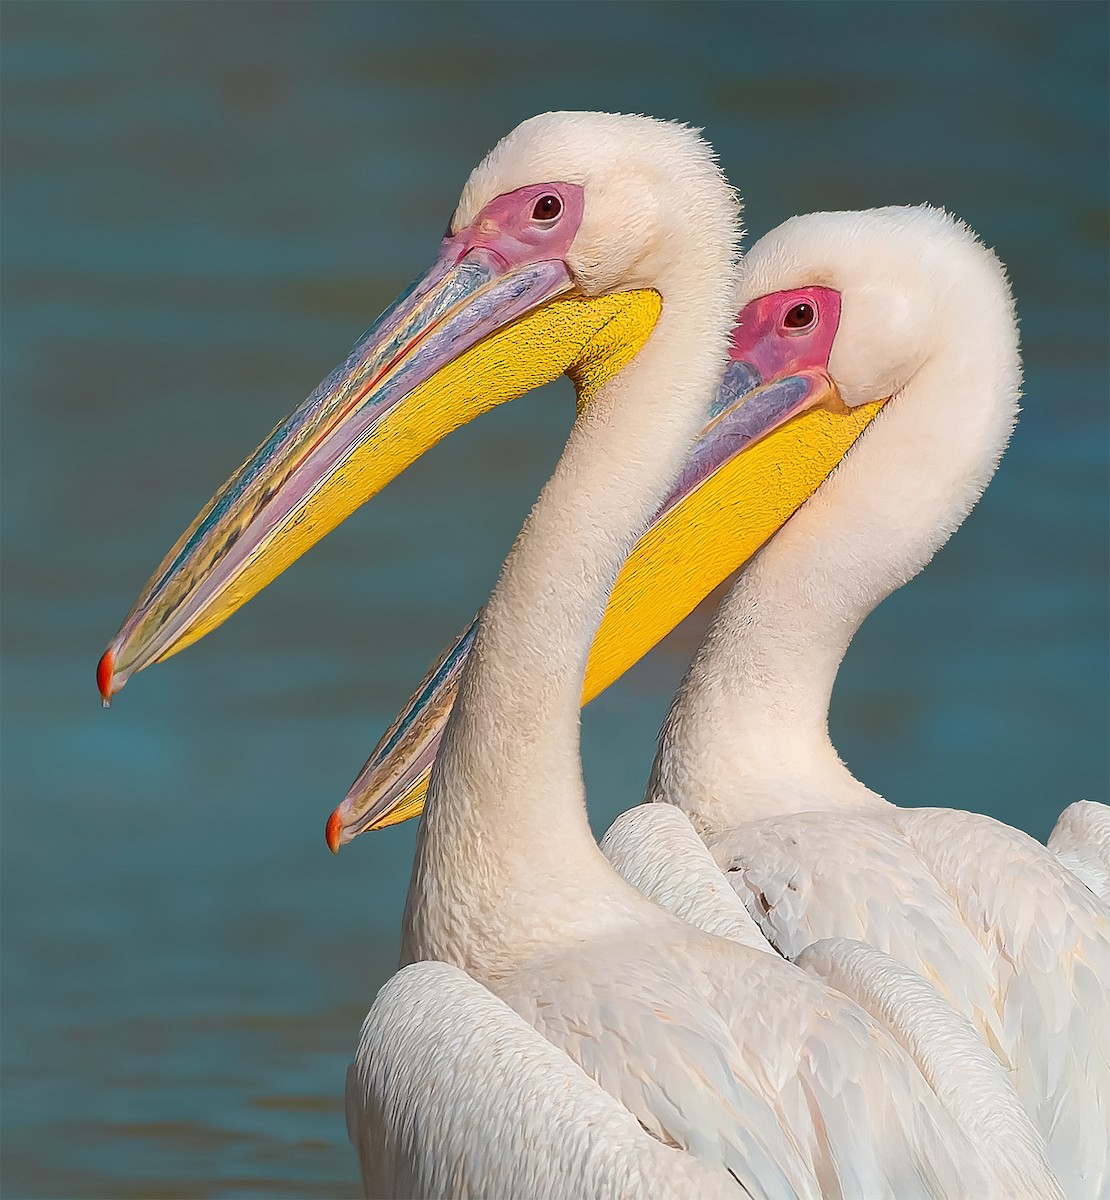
[
  {"x": 801, "y": 316},
  {"x": 548, "y": 208}
]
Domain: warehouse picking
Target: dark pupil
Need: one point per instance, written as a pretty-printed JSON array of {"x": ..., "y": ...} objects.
[
  {"x": 547, "y": 208},
  {"x": 799, "y": 316}
]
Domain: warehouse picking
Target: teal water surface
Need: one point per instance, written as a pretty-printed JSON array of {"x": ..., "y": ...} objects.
[{"x": 203, "y": 205}]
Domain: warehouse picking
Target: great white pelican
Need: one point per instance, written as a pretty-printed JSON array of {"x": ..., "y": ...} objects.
[{"x": 984, "y": 911}]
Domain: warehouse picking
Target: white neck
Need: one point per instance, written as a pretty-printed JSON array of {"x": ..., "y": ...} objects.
[
  {"x": 506, "y": 861},
  {"x": 747, "y": 736}
]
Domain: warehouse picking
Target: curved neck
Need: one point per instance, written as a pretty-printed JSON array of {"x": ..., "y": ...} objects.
[
  {"x": 505, "y": 854},
  {"x": 747, "y": 736}
]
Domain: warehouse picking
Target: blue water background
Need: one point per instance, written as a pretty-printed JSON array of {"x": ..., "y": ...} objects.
[{"x": 203, "y": 205}]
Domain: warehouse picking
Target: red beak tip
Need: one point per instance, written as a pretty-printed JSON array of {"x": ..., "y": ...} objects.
[
  {"x": 104, "y": 671},
  {"x": 334, "y": 831}
]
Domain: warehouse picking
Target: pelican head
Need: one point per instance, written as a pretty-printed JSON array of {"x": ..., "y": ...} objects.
[
  {"x": 904, "y": 303},
  {"x": 567, "y": 241},
  {"x": 902, "y": 282}
]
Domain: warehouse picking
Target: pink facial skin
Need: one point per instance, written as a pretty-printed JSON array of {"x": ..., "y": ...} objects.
[
  {"x": 510, "y": 229},
  {"x": 766, "y": 336}
]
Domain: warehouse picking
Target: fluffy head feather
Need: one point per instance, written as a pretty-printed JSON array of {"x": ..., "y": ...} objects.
[
  {"x": 914, "y": 282},
  {"x": 647, "y": 183}
]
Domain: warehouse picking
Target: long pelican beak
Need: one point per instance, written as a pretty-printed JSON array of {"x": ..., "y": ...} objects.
[
  {"x": 776, "y": 431},
  {"x": 494, "y": 317}
]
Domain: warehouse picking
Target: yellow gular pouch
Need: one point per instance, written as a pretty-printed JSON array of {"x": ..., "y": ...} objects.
[
  {"x": 699, "y": 543},
  {"x": 713, "y": 531},
  {"x": 590, "y": 338},
  {"x": 410, "y": 805}
]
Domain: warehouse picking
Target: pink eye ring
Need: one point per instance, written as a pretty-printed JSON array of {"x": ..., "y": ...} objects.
[
  {"x": 547, "y": 208},
  {"x": 800, "y": 316}
]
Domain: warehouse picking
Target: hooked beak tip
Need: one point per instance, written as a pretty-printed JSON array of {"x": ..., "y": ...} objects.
[
  {"x": 104, "y": 671},
  {"x": 334, "y": 831}
]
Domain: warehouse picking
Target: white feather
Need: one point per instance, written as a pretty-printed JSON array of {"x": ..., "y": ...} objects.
[
  {"x": 1081, "y": 841},
  {"x": 452, "y": 1094},
  {"x": 658, "y": 851}
]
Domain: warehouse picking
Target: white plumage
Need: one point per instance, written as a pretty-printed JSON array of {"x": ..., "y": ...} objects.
[
  {"x": 658, "y": 851},
  {"x": 655, "y": 847},
  {"x": 980, "y": 910},
  {"x": 729, "y": 1053},
  {"x": 452, "y": 1094},
  {"x": 1081, "y": 841}
]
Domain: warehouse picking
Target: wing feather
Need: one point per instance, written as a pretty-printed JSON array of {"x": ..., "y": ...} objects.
[
  {"x": 967, "y": 1078},
  {"x": 659, "y": 852},
  {"x": 452, "y": 1094},
  {"x": 1006, "y": 934},
  {"x": 1081, "y": 841},
  {"x": 745, "y": 1061},
  {"x": 811, "y": 876},
  {"x": 1052, "y": 940}
]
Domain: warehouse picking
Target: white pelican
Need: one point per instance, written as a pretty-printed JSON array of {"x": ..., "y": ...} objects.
[
  {"x": 726, "y": 1053},
  {"x": 981, "y": 910},
  {"x": 508, "y": 883}
]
